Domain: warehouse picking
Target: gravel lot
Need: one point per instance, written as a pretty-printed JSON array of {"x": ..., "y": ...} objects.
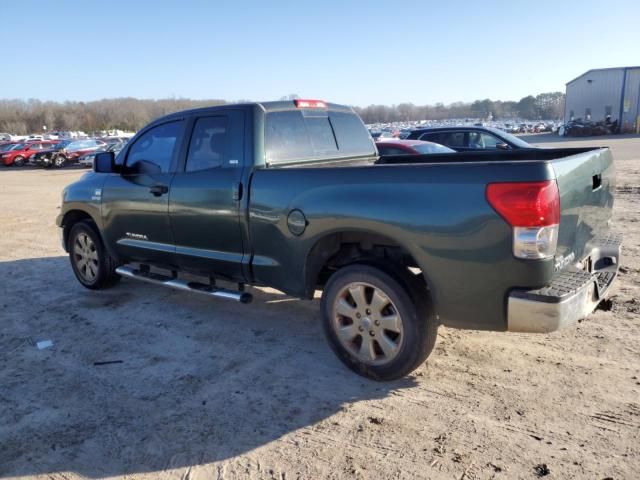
[{"x": 214, "y": 389}]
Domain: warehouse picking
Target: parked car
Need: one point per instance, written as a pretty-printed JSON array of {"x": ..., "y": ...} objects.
[
  {"x": 463, "y": 139},
  {"x": 113, "y": 140},
  {"x": 20, "y": 152},
  {"x": 5, "y": 146},
  {"x": 486, "y": 242},
  {"x": 87, "y": 159},
  {"x": 67, "y": 151},
  {"x": 410, "y": 147}
]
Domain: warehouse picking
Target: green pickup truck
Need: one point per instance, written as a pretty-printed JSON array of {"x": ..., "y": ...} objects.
[{"x": 293, "y": 195}]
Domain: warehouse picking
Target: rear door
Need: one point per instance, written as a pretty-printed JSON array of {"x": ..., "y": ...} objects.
[
  {"x": 205, "y": 196},
  {"x": 135, "y": 204}
]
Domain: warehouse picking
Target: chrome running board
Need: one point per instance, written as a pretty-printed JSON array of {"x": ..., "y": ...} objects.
[{"x": 179, "y": 284}]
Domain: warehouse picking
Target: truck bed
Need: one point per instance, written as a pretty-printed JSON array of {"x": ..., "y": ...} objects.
[
  {"x": 435, "y": 206},
  {"x": 544, "y": 154}
]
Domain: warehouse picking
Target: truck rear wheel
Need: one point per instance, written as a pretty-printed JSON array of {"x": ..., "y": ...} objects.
[
  {"x": 91, "y": 263},
  {"x": 377, "y": 321}
]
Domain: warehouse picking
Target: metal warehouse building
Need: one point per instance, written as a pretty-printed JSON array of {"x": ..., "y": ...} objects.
[{"x": 606, "y": 91}]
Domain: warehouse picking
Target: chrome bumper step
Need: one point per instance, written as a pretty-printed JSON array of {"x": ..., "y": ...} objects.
[
  {"x": 180, "y": 284},
  {"x": 572, "y": 294}
]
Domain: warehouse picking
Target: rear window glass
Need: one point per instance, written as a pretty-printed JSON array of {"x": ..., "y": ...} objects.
[
  {"x": 432, "y": 148},
  {"x": 296, "y": 136},
  {"x": 286, "y": 137},
  {"x": 351, "y": 134},
  {"x": 321, "y": 135}
]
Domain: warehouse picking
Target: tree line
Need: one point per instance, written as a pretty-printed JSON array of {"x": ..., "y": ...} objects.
[
  {"x": 130, "y": 114},
  {"x": 545, "y": 106}
]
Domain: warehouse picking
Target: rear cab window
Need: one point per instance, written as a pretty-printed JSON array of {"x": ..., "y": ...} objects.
[{"x": 301, "y": 135}]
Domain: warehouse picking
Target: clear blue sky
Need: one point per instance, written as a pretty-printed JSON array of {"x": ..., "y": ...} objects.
[{"x": 354, "y": 52}]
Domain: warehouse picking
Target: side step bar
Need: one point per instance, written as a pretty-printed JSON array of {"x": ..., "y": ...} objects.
[{"x": 179, "y": 284}]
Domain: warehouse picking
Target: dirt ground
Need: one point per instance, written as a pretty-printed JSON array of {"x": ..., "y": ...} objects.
[{"x": 211, "y": 389}]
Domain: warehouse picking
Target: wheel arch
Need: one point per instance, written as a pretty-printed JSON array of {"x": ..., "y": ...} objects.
[
  {"x": 338, "y": 249},
  {"x": 71, "y": 218}
]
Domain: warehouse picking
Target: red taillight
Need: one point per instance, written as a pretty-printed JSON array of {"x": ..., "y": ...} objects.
[
  {"x": 310, "y": 103},
  {"x": 526, "y": 204}
]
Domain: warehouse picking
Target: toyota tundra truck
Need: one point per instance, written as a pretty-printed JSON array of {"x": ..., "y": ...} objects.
[{"x": 293, "y": 195}]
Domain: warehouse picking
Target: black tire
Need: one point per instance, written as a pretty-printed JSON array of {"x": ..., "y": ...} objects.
[
  {"x": 59, "y": 161},
  {"x": 407, "y": 296},
  {"x": 18, "y": 161},
  {"x": 103, "y": 266}
]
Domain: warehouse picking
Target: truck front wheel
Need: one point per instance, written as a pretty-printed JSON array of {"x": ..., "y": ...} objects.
[
  {"x": 378, "y": 321},
  {"x": 91, "y": 263}
]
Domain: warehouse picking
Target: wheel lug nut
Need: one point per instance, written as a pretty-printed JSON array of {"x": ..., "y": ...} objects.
[
  {"x": 360, "y": 329},
  {"x": 377, "y": 323},
  {"x": 372, "y": 333},
  {"x": 368, "y": 312},
  {"x": 358, "y": 315}
]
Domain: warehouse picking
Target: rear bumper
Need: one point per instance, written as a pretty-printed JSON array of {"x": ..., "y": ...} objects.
[{"x": 572, "y": 295}]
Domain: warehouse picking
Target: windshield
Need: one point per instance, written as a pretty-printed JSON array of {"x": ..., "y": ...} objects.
[
  {"x": 62, "y": 144},
  {"x": 19, "y": 146},
  {"x": 432, "y": 148},
  {"x": 7, "y": 147},
  {"x": 115, "y": 147},
  {"x": 510, "y": 138}
]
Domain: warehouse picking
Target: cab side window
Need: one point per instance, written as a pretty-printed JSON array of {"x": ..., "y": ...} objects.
[
  {"x": 431, "y": 137},
  {"x": 208, "y": 146},
  {"x": 153, "y": 151},
  {"x": 489, "y": 141},
  {"x": 480, "y": 140},
  {"x": 452, "y": 139}
]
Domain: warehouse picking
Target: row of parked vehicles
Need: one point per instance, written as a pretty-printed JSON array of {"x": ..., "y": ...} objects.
[
  {"x": 56, "y": 153},
  {"x": 403, "y": 130},
  {"x": 432, "y": 140}
]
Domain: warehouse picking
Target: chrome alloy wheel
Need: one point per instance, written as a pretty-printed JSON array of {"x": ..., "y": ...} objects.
[
  {"x": 367, "y": 323},
  {"x": 85, "y": 257}
]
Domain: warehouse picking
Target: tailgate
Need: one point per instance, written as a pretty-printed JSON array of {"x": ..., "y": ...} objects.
[{"x": 586, "y": 182}]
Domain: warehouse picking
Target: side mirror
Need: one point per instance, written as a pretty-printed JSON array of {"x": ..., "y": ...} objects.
[
  {"x": 503, "y": 146},
  {"x": 104, "y": 162}
]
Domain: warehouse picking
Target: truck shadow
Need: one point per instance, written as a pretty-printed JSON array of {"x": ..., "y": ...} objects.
[
  {"x": 195, "y": 380},
  {"x": 26, "y": 168}
]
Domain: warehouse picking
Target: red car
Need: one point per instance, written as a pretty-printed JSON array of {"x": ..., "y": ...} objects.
[
  {"x": 5, "y": 146},
  {"x": 392, "y": 146},
  {"x": 19, "y": 153}
]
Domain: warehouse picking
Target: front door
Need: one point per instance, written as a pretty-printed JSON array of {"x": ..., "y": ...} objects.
[
  {"x": 135, "y": 204},
  {"x": 204, "y": 205}
]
